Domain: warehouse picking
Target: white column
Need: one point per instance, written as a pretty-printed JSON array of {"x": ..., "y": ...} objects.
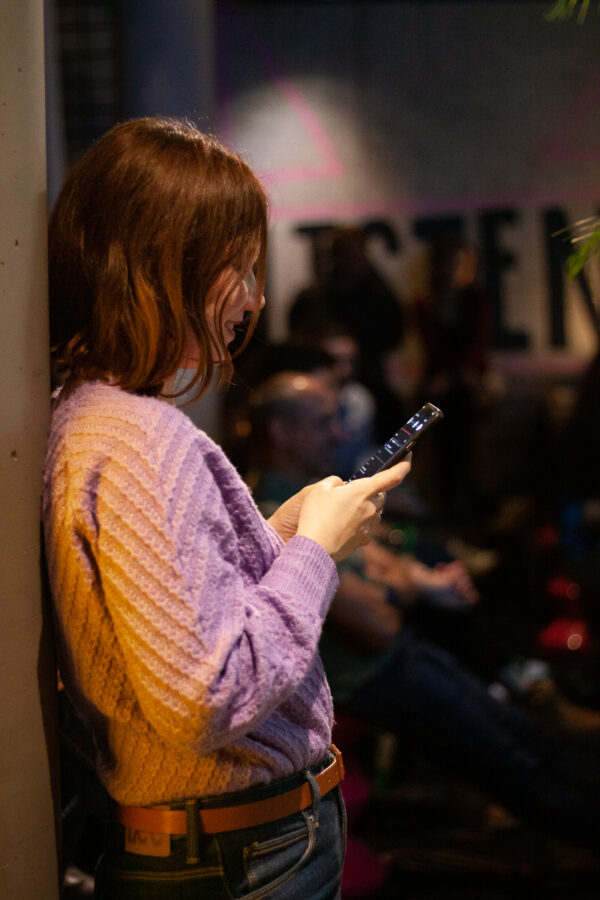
[{"x": 28, "y": 861}]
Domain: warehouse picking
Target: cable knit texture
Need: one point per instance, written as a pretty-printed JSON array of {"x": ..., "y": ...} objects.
[{"x": 187, "y": 630}]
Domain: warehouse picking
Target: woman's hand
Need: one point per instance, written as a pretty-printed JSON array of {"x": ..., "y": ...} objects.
[
  {"x": 336, "y": 514},
  {"x": 285, "y": 518}
]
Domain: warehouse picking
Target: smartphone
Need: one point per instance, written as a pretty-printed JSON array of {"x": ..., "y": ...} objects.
[{"x": 401, "y": 442}]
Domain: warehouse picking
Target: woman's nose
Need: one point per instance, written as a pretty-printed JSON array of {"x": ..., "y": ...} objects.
[{"x": 254, "y": 301}]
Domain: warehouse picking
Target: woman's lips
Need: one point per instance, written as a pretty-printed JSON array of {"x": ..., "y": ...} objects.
[{"x": 230, "y": 328}]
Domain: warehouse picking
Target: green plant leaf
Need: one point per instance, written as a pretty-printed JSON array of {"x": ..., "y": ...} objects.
[
  {"x": 565, "y": 9},
  {"x": 579, "y": 257}
]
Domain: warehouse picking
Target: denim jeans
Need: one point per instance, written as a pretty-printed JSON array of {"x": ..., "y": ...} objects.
[{"x": 295, "y": 858}]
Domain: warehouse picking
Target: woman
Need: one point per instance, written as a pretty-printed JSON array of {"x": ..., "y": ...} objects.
[{"x": 187, "y": 625}]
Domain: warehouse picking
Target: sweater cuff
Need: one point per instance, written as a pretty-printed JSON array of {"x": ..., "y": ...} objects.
[{"x": 311, "y": 570}]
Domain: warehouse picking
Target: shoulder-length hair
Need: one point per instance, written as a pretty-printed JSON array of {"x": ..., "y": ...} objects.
[{"x": 150, "y": 223}]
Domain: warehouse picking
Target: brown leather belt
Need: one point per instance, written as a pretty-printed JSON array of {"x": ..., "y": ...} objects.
[{"x": 232, "y": 818}]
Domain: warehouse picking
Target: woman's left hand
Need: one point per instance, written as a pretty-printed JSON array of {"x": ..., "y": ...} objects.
[
  {"x": 285, "y": 518},
  {"x": 337, "y": 514}
]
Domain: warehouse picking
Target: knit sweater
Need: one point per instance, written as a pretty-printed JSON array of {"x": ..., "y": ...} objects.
[{"x": 187, "y": 630}]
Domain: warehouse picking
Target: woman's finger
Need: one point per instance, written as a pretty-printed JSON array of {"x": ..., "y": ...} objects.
[
  {"x": 388, "y": 479},
  {"x": 379, "y": 501}
]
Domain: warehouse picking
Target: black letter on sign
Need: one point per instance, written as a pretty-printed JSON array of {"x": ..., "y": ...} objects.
[
  {"x": 317, "y": 235},
  {"x": 430, "y": 229},
  {"x": 494, "y": 260}
]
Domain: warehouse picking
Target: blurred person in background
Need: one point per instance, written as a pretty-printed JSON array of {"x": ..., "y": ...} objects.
[
  {"x": 352, "y": 293},
  {"x": 356, "y": 403},
  {"x": 453, "y": 322},
  {"x": 381, "y": 670}
]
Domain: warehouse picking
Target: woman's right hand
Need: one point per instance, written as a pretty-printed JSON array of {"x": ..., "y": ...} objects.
[{"x": 337, "y": 514}]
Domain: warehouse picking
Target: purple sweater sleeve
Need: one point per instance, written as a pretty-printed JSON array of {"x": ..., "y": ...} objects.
[{"x": 217, "y": 622}]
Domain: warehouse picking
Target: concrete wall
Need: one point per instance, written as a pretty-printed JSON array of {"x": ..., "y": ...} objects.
[{"x": 28, "y": 862}]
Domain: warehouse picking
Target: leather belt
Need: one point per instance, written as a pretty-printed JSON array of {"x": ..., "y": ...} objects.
[{"x": 232, "y": 818}]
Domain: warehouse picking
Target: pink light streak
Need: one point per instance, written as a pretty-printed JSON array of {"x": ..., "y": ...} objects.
[{"x": 329, "y": 165}]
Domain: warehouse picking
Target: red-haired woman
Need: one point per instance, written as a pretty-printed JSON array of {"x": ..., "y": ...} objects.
[{"x": 187, "y": 624}]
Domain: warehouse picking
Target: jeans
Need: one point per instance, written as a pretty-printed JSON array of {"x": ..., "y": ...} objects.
[{"x": 295, "y": 858}]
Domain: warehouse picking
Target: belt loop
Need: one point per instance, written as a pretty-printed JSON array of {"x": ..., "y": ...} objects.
[
  {"x": 339, "y": 761},
  {"x": 315, "y": 791},
  {"x": 192, "y": 831}
]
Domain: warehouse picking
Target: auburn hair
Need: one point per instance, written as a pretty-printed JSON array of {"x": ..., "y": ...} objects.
[{"x": 153, "y": 220}]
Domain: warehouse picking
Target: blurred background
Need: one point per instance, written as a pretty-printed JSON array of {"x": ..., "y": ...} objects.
[
  {"x": 427, "y": 162},
  {"x": 408, "y": 119}
]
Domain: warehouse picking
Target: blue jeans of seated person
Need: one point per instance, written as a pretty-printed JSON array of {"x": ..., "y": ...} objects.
[
  {"x": 299, "y": 857},
  {"x": 423, "y": 694}
]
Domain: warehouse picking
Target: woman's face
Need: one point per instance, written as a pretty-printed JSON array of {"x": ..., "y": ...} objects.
[
  {"x": 243, "y": 297},
  {"x": 230, "y": 299}
]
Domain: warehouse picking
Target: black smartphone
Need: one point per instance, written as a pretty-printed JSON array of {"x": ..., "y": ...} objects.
[{"x": 401, "y": 442}]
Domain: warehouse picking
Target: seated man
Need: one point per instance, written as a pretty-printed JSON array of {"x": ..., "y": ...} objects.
[{"x": 381, "y": 671}]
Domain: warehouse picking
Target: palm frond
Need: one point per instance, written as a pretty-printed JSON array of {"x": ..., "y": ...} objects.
[
  {"x": 586, "y": 234},
  {"x": 580, "y": 256},
  {"x": 566, "y": 9}
]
